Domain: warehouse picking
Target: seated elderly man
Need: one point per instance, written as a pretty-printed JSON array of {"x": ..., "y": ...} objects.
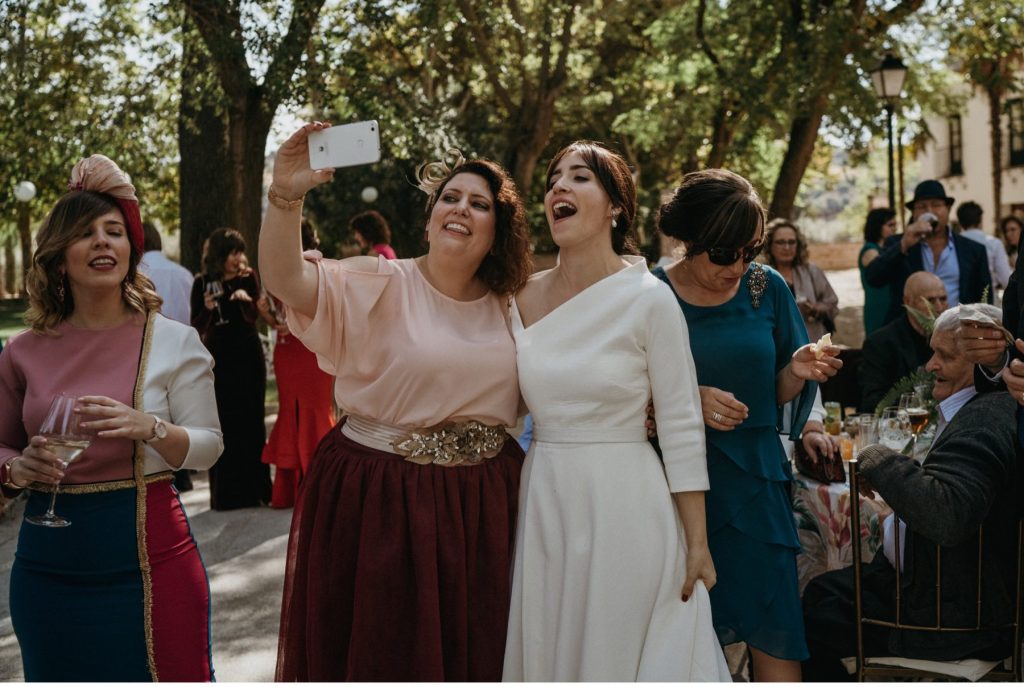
[
  {"x": 900, "y": 347},
  {"x": 965, "y": 480}
]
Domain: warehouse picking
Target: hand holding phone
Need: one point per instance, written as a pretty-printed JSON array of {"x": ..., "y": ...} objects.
[{"x": 345, "y": 145}]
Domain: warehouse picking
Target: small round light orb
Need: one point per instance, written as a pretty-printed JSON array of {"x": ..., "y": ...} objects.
[
  {"x": 368, "y": 194},
  {"x": 25, "y": 191}
]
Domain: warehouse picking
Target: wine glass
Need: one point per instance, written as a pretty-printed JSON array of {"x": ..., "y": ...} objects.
[
  {"x": 917, "y": 411},
  {"x": 867, "y": 432},
  {"x": 894, "y": 428},
  {"x": 65, "y": 436},
  {"x": 216, "y": 289}
]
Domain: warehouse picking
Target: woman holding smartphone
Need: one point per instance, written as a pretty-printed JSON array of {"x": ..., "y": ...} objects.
[{"x": 401, "y": 540}]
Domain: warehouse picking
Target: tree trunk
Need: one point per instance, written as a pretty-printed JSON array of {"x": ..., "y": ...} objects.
[
  {"x": 995, "y": 108},
  {"x": 205, "y": 200},
  {"x": 248, "y": 130},
  {"x": 25, "y": 235},
  {"x": 724, "y": 131},
  {"x": 11, "y": 271},
  {"x": 536, "y": 121},
  {"x": 803, "y": 134}
]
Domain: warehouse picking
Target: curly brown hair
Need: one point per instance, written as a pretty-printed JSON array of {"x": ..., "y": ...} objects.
[
  {"x": 612, "y": 172},
  {"x": 801, "y": 245},
  {"x": 508, "y": 264},
  {"x": 50, "y": 300}
]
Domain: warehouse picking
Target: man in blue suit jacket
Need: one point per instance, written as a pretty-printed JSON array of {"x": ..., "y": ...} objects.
[{"x": 961, "y": 264}]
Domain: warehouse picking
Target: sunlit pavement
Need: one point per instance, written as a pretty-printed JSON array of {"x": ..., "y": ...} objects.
[{"x": 244, "y": 553}]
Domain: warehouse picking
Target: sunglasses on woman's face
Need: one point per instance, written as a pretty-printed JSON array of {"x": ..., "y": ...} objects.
[{"x": 723, "y": 257}]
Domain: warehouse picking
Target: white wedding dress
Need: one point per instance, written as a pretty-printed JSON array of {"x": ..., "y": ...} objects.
[{"x": 600, "y": 554}]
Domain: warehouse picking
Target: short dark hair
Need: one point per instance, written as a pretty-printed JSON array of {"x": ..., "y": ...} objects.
[
  {"x": 151, "y": 238},
  {"x": 713, "y": 208},
  {"x": 612, "y": 172},
  {"x": 222, "y": 243},
  {"x": 876, "y": 220},
  {"x": 508, "y": 264},
  {"x": 310, "y": 240},
  {"x": 372, "y": 225},
  {"x": 969, "y": 214},
  {"x": 801, "y": 245}
]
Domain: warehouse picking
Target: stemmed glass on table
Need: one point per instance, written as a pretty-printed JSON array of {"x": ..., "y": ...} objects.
[
  {"x": 65, "y": 436},
  {"x": 216, "y": 289},
  {"x": 894, "y": 428}
]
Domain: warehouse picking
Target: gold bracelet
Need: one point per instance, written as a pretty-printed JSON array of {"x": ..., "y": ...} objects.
[{"x": 283, "y": 203}]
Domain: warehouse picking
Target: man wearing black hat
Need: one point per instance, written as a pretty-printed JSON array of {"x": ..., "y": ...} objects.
[{"x": 928, "y": 244}]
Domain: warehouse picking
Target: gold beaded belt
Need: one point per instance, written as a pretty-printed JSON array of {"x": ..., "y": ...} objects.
[
  {"x": 449, "y": 444},
  {"x": 100, "y": 487}
]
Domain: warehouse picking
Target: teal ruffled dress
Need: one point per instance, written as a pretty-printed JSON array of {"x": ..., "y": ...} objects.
[
  {"x": 740, "y": 346},
  {"x": 876, "y": 298}
]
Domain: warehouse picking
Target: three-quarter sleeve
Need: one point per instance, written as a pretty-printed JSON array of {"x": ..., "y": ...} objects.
[
  {"x": 192, "y": 404},
  {"x": 344, "y": 310},
  {"x": 677, "y": 409}
]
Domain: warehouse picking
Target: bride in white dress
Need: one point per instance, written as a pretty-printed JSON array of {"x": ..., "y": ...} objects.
[{"x": 612, "y": 565}]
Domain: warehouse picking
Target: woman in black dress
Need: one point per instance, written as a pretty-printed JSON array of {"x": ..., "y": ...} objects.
[{"x": 224, "y": 310}]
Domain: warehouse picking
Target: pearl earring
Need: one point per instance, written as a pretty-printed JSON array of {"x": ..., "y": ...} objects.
[{"x": 615, "y": 223}]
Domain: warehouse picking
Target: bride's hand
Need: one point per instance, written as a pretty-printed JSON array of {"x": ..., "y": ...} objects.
[
  {"x": 699, "y": 566},
  {"x": 293, "y": 176}
]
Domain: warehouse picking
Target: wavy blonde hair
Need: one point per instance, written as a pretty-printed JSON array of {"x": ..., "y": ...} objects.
[{"x": 45, "y": 280}]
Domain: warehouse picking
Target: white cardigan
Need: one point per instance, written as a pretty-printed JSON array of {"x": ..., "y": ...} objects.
[{"x": 179, "y": 389}]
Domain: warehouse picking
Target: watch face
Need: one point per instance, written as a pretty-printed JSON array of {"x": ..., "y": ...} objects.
[{"x": 160, "y": 430}]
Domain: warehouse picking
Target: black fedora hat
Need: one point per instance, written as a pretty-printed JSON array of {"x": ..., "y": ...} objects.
[{"x": 929, "y": 189}]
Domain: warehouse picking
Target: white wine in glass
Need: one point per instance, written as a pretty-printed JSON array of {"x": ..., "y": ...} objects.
[{"x": 65, "y": 436}]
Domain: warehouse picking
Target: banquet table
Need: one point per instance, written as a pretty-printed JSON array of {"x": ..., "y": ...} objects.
[{"x": 822, "y": 514}]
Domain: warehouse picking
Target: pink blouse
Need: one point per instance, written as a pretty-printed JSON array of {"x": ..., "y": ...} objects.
[
  {"x": 34, "y": 368},
  {"x": 405, "y": 354}
]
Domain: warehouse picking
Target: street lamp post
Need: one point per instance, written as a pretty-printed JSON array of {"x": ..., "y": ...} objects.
[
  {"x": 888, "y": 78},
  {"x": 24, "y": 192}
]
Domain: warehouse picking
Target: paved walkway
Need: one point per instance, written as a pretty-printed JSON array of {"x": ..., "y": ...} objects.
[{"x": 244, "y": 553}]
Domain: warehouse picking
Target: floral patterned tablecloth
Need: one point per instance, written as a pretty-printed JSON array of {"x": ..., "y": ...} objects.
[{"x": 822, "y": 514}]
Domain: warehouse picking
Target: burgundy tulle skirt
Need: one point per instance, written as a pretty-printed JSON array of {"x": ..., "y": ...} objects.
[{"x": 398, "y": 571}]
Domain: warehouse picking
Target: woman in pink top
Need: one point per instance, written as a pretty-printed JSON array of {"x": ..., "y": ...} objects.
[
  {"x": 373, "y": 234},
  {"x": 401, "y": 542},
  {"x": 121, "y": 594}
]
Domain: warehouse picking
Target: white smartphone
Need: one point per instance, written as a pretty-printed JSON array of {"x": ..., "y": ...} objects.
[{"x": 345, "y": 145}]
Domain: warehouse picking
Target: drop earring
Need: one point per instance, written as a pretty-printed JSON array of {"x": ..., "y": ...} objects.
[{"x": 615, "y": 223}]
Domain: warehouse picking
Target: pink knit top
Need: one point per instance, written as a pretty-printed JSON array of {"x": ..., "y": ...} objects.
[
  {"x": 34, "y": 368},
  {"x": 405, "y": 354}
]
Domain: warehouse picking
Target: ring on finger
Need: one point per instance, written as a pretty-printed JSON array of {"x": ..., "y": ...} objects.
[{"x": 717, "y": 416}]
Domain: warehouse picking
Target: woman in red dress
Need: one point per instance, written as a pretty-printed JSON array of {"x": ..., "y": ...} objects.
[{"x": 305, "y": 411}]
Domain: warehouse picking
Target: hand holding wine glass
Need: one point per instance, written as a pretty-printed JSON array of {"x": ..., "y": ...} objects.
[
  {"x": 214, "y": 290},
  {"x": 917, "y": 411},
  {"x": 61, "y": 440}
]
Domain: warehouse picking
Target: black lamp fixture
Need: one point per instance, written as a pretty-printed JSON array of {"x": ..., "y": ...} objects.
[{"x": 888, "y": 78}]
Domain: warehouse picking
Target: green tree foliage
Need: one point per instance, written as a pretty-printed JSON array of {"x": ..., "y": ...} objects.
[
  {"x": 988, "y": 48},
  {"x": 74, "y": 81}
]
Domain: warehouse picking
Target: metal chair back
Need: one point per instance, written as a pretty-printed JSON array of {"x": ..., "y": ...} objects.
[{"x": 1009, "y": 670}]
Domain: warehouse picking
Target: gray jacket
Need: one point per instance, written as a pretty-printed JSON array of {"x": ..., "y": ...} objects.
[{"x": 967, "y": 479}]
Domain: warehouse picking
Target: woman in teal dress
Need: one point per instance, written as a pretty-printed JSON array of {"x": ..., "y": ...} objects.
[
  {"x": 880, "y": 225},
  {"x": 752, "y": 356}
]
